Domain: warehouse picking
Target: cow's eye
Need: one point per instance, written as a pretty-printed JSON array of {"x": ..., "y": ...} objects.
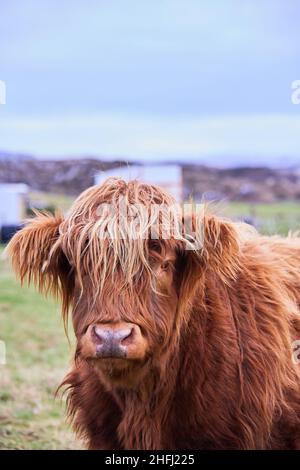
[{"x": 165, "y": 266}]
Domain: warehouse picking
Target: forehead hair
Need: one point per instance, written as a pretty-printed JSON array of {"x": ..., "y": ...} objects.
[{"x": 108, "y": 228}]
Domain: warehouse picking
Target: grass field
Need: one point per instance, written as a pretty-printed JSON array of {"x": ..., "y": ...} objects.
[
  {"x": 38, "y": 352},
  {"x": 37, "y": 356},
  {"x": 39, "y": 199},
  {"x": 268, "y": 218}
]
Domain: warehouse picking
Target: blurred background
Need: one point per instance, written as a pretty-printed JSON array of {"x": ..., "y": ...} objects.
[{"x": 199, "y": 97}]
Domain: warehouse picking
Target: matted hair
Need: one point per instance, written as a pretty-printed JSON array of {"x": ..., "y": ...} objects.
[{"x": 223, "y": 377}]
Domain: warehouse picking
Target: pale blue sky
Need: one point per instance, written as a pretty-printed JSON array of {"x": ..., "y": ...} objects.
[{"x": 203, "y": 80}]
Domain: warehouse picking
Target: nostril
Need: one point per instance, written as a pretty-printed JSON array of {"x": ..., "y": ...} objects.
[
  {"x": 124, "y": 334},
  {"x": 99, "y": 334}
]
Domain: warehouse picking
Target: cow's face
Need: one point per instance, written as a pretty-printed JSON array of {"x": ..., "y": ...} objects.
[
  {"x": 129, "y": 296},
  {"x": 124, "y": 330}
]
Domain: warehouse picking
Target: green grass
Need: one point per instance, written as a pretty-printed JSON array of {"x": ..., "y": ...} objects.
[
  {"x": 37, "y": 358},
  {"x": 61, "y": 201},
  {"x": 268, "y": 218}
]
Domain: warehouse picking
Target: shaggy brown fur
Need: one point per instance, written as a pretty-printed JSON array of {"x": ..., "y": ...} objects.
[{"x": 218, "y": 324}]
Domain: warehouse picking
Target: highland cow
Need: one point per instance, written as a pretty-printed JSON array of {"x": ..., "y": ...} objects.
[{"x": 179, "y": 345}]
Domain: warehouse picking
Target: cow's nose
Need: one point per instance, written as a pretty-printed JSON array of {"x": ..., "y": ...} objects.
[{"x": 111, "y": 342}]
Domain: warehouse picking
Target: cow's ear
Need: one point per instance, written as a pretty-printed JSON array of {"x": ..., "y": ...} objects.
[
  {"x": 36, "y": 254},
  {"x": 215, "y": 247},
  {"x": 221, "y": 247}
]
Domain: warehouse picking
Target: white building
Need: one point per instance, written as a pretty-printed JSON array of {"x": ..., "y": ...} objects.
[
  {"x": 13, "y": 198},
  {"x": 168, "y": 177}
]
